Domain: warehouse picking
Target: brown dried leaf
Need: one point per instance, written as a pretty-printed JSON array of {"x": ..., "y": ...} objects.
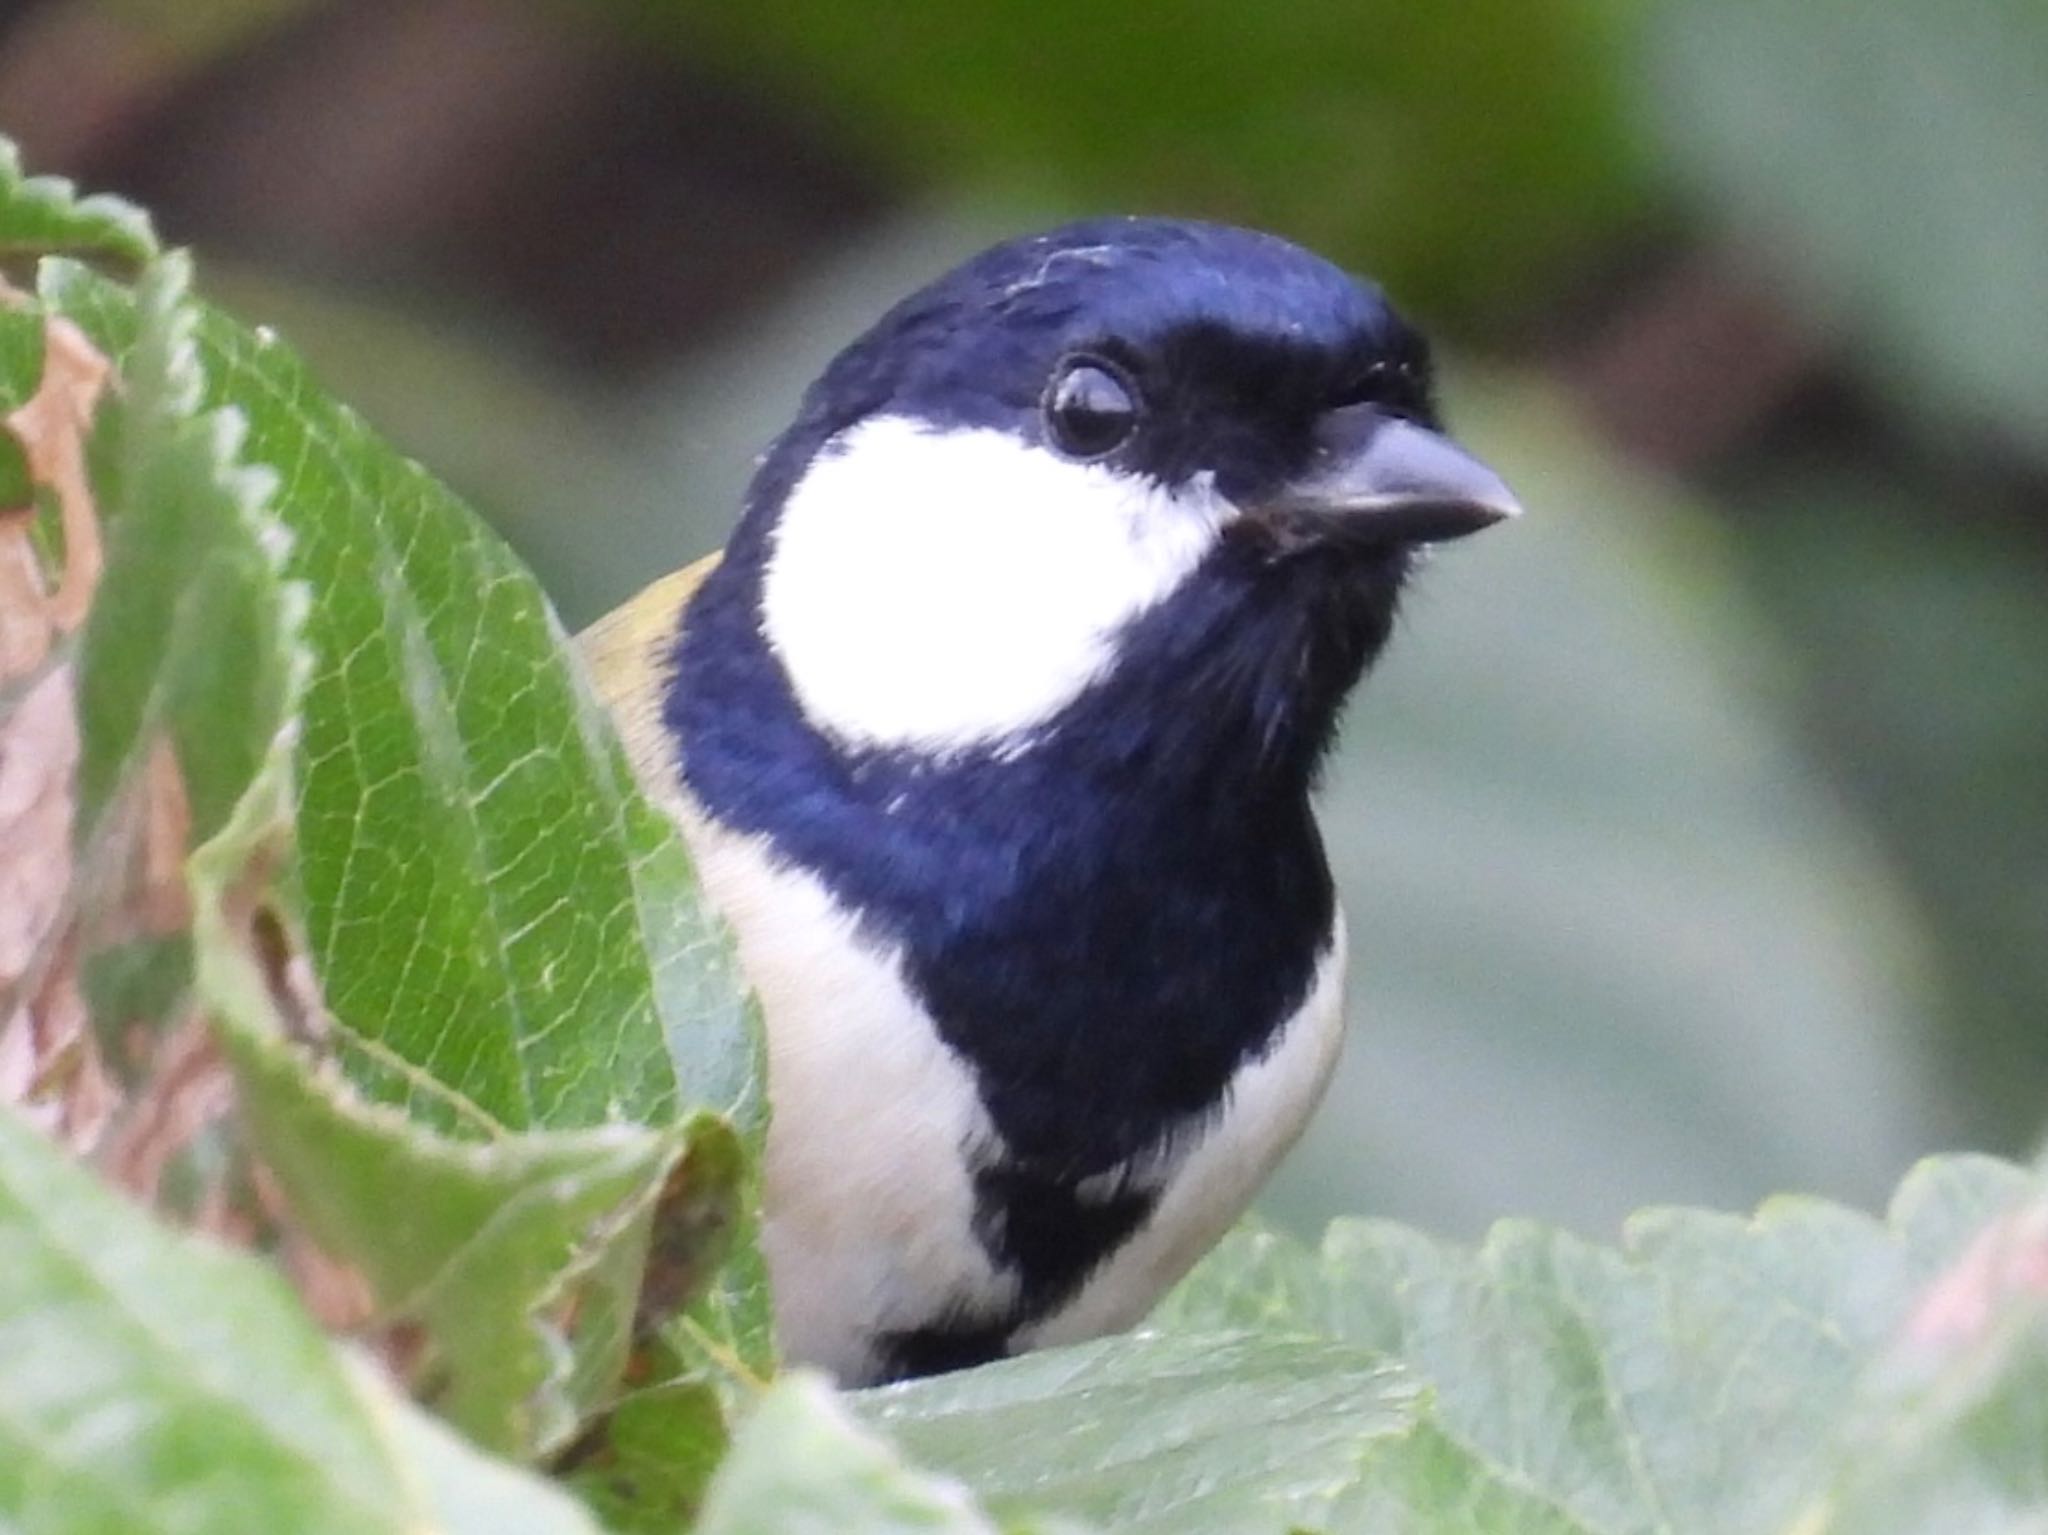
[
  {"x": 50, "y": 1065},
  {"x": 52, "y": 426},
  {"x": 25, "y": 625},
  {"x": 48, "y": 1060},
  {"x": 38, "y": 766},
  {"x": 151, "y": 1100},
  {"x": 185, "y": 1094},
  {"x": 691, "y": 1234},
  {"x": 338, "y": 1295},
  {"x": 51, "y": 1061}
]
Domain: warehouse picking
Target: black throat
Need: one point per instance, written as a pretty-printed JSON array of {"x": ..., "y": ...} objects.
[{"x": 1106, "y": 925}]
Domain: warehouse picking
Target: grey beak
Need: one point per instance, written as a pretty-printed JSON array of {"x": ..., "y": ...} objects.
[{"x": 1388, "y": 478}]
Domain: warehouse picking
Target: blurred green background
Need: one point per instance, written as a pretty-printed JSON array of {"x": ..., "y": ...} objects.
[{"x": 1695, "y": 836}]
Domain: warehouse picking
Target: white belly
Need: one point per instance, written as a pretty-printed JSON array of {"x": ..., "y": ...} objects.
[{"x": 868, "y": 1200}]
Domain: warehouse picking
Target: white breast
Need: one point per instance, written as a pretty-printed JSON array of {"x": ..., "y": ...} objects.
[{"x": 869, "y": 1204}]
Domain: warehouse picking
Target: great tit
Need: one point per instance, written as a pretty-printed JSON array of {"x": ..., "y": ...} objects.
[{"x": 992, "y": 734}]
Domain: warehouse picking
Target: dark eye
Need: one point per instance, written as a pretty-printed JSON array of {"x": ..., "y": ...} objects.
[
  {"x": 1398, "y": 385},
  {"x": 1089, "y": 410}
]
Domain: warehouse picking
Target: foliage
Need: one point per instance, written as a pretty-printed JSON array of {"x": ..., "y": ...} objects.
[
  {"x": 1693, "y": 1379},
  {"x": 1204, "y": 1428},
  {"x": 803, "y": 1467},
  {"x": 1819, "y": 123},
  {"x": 1878, "y": 162},
  {"x": 503, "y": 1257},
  {"x": 339, "y": 933},
  {"x": 1194, "y": 111},
  {"x": 153, "y": 1381}
]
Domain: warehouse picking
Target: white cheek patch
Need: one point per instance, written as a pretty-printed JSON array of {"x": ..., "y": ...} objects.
[{"x": 946, "y": 589}]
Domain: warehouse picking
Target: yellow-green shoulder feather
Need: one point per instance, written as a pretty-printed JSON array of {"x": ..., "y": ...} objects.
[{"x": 628, "y": 653}]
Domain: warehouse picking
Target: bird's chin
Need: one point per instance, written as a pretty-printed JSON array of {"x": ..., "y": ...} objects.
[
  {"x": 1276, "y": 631},
  {"x": 1331, "y": 543}
]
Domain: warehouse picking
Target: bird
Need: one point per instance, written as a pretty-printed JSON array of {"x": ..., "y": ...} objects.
[{"x": 993, "y": 732}]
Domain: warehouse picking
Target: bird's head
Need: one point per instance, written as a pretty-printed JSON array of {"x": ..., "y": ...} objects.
[{"x": 1128, "y": 459}]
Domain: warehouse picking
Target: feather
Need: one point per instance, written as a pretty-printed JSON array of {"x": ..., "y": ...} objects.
[{"x": 629, "y": 652}]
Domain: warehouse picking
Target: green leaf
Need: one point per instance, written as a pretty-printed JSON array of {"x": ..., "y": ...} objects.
[
  {"x": 178, "y": 688},
  {"x": 40, "y": 215},
  {"x": 646, "y": 1462},
  {"x": 21, "y": 355},
  {"x": 189, "y": 673},
  {"x": 521, "y": 1257},
  {"x": 1182, "y": 1432},
  {"x": 802, "y": 1466},
  {"x": 507, "y": 934},
  {"x": 510, "y": 950},
  {"x": 150, "y": 1381},
  {"x": 1891, "y": 153},
  {"x": 646, "y": 1466},
  {"x": 1691, "y": 1379},
  {"x": 1951, "y": 1431},
  {"x": 192, "y": 579},
  {"x": 535, "y": 452},
  {"x": 21, "y": 364},
  {"x": 549, "y": 1143}
]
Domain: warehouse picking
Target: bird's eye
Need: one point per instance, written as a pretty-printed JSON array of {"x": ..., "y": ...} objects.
[
  {"x": 1398, "y": 385},
  {"x": 1089, "y": 410}
]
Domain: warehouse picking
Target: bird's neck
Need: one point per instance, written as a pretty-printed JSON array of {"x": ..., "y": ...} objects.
[
  {"x": 1216, "y": 715},
  {"x": 1231, "y": 689}
]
